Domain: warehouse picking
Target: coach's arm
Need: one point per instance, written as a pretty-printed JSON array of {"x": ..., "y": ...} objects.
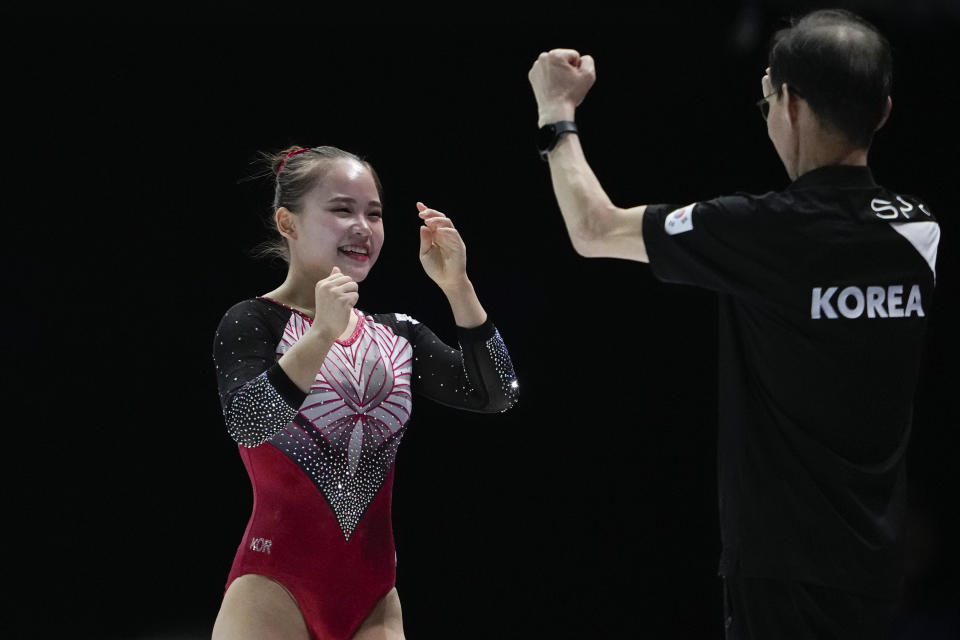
[{"x": 598, "y": 229}]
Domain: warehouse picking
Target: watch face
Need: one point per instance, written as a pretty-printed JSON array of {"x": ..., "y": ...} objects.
[{"x": 545, "y": 137}]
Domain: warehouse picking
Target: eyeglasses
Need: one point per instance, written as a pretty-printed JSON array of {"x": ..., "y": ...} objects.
[{"x": 764, "y": 105}]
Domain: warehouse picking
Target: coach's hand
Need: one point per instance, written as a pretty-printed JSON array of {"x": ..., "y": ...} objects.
[{"x": 560, "y": 79}]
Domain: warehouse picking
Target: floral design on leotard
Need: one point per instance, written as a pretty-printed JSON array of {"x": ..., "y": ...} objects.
[{"x": 348, "y": 429}]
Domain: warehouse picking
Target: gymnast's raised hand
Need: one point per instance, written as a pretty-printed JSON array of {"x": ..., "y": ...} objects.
[{"x": 443, "y": 255}]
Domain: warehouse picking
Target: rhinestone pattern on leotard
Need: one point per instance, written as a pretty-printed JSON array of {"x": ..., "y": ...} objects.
[
  {"x": 257, "y": 413},
  {"x": 504, "y": 368},
  {"x": 348, "y": 429},
  {"x": 345, "y": 433}
]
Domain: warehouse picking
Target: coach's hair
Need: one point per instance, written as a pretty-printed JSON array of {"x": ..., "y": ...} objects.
[
  {"x": 841, "y": 65},
  {"x": 296, "y": 171}
]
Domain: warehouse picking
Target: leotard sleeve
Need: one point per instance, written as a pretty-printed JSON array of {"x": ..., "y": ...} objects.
[
  {"x": 477, "y": 377},
  {"x": 257, "y": 397}
]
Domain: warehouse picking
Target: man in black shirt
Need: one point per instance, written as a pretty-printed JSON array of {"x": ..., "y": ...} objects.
[{"x": 824, "y": 290}]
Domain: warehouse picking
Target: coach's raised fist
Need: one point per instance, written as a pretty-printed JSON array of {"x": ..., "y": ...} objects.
[{"x": 560, "y": 79}]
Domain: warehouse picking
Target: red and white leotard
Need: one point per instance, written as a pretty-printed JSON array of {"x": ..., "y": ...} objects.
[{"x": 321, "y": 463}]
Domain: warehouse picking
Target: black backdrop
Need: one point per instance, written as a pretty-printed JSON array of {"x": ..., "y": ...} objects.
[{"x": 587, "y": 511}]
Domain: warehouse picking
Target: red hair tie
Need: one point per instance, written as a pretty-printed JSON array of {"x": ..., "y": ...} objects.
[{"x": 292, "y": 153}]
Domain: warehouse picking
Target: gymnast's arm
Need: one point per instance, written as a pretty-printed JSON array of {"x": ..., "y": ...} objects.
[
  {"x": 257, "y": 396},
  {"x": 479, "y": 376},
  {"x": 260, "y": 394},
  {"x": 598, "y": 229}
]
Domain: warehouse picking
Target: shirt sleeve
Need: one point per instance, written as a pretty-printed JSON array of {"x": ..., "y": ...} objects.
[
  {"x": 477, "y": 377},
  {"x": 257, "y": 397},
  {"x": 730, "y": 245}
]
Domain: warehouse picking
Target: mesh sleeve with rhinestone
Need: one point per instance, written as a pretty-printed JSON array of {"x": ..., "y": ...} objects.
[
  {"x": 257, "y": 397},
  {"x": 477, "y": 377}
]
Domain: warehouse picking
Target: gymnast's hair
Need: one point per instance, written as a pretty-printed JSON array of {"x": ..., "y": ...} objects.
[
  {"x": 296, "y": 171},
  {"x": 841, "y": 65}
]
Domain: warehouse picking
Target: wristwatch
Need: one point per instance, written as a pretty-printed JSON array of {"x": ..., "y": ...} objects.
[{"x": 550, "y": 134}]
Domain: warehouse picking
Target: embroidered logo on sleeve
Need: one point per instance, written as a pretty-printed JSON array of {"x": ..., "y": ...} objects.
[{"x": 680, "y": 220}]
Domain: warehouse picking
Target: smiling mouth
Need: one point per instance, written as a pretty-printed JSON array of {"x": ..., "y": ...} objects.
[{"x": 355, "y": 252}]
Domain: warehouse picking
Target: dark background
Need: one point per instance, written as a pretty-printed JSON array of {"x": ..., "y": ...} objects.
[{"x": 589, "y": 510}]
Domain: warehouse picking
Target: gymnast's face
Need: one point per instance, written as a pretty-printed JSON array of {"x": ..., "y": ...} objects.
[{"x": 339, "y": 223}]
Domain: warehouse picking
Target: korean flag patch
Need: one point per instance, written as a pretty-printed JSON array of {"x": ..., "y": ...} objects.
[{"x": 680, "y": 220}]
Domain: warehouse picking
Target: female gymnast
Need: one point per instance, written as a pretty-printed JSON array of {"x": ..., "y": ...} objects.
[{"x": 317, "y": 395}]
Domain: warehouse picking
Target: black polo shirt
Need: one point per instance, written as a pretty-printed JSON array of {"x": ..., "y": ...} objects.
[{"x": 824, "y": 292}]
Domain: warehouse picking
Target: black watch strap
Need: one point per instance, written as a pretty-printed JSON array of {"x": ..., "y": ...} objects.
[{"x": 550, "y": 134}]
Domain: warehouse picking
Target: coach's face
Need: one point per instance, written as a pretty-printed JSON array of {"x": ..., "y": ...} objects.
[{"x": 779, "y": 127}]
